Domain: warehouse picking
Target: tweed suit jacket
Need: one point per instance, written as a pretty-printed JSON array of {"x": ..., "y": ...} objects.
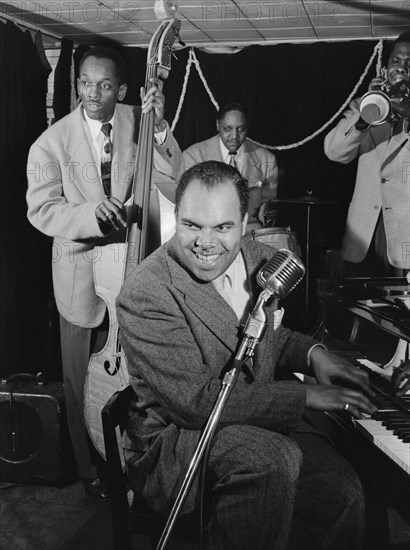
[
  {"x": 382, "y": 185},
  {"x": 179, "y": 336},
  {"x": 64, "y": 189}
]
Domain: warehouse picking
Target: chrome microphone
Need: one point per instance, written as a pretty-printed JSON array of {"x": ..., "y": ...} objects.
[
  {"x": 277, "y": 278},
  {"x": 282, "y": 273}
]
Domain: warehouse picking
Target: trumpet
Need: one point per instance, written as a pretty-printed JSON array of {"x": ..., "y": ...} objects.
[{"x": 390, "y": 102}]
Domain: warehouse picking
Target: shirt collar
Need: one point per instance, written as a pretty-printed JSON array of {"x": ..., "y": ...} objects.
[
  {"x": 225, "y": 152},
  {"x": 95, "y": 125},
  {"x": 236, "y": 272}
]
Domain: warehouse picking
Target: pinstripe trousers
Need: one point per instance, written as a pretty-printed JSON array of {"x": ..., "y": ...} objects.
[{"x": 271, "y": 491}]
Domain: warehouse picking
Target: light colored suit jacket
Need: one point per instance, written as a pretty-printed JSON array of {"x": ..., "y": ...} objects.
[
  {"x": 64, "y": 189},
  {"x": 259, "y": 165},
  {"x": 179, "y": 335},
  {"x": 382, "y": 185}
]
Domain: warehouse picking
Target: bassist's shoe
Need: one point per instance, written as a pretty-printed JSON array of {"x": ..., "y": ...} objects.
[{"x": 95, "y": 488}]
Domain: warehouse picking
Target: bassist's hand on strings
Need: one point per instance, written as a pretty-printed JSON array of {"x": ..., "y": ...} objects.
[
  {"x": 154, "y": 99},
  {"x": 111, "y": 212}
]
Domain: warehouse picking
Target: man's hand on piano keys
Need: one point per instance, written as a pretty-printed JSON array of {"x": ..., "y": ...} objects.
[
  {"x": 320, "y": 397},
  {"x": 401, "y": 379},
  {"x": 331, "y": 370}
]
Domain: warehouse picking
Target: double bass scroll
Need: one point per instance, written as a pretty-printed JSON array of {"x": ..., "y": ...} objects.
[{"x": 107, "y": 369}]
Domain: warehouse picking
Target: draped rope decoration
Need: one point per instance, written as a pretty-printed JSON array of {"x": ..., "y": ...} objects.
[
  {"x": 184, "y": 86},
  {"x": 379, "y": 67},
  {"x": 378, "y": 50},
  {"x": 192, "y": 59}
]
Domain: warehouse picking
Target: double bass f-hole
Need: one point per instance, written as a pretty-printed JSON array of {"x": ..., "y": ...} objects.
[{"x": 112, "y": 368}]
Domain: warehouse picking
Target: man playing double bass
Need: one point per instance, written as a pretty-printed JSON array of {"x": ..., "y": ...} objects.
[{"x": 71, "y": 199}]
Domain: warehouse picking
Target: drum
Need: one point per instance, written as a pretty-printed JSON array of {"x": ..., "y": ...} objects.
[{"x": 278, "y": 237}]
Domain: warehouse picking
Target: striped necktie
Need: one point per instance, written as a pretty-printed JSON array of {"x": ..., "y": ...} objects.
[{"x": 106, "y": 159}]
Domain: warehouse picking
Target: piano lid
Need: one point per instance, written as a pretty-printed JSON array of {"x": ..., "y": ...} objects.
[{"x": 380, "y": 300}]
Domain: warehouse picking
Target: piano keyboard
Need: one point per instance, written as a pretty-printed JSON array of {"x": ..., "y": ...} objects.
[{"x": 389, "y": 429}]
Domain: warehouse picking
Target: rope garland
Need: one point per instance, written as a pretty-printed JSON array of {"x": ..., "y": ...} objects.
[
  {"x": 184, "y": 87},
  {"x": 192, "y": 59},
  {"x": 379, "y": 67},
  {"x": 201, "y": 75},
  {"x": 378, "y": 50}
]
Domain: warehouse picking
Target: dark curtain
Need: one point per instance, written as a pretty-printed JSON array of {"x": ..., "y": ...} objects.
[
  {"x": 62, "y": 80},
  {"x": 25, "y": 283},
  {"x": 290, "y": 91}
]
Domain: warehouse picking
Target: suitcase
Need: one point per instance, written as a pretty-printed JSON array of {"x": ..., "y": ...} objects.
[{"x": 34, "y": 439}]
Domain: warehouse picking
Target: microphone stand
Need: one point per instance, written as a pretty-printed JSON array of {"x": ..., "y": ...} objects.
[{"x": 252, "y": 334}]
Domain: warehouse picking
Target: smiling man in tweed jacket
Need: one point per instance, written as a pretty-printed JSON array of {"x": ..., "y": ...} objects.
[{"x": 266, "y": 465}]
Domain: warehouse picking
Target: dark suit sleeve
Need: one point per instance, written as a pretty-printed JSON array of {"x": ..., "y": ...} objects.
[{"x": 175, "y": 366}]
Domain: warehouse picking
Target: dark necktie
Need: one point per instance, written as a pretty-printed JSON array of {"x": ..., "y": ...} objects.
[
  {"x": 232, "y": 160},
  {"x": 106, "y": 159}
]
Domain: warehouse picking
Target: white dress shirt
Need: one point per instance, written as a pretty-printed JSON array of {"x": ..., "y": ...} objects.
[
  {"x": 97, "y": 137},
  {"x": 226, "y": 156},
  {"x": 234, "y": 287}
]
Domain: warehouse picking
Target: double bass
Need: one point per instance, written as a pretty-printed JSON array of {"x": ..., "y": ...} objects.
[{"x": 107, "y": 369}]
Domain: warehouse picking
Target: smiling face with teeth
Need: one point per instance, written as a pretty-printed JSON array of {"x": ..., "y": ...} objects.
[
  {"x": 398, "y": 67},
  {"x": 209, "y": 228}
]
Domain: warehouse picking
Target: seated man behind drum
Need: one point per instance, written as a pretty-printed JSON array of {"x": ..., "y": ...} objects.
[{"x": 232, "y": 146}]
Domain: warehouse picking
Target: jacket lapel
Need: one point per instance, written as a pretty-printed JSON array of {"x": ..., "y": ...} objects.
[
  {"x": 205, "y": 303},
  {"x": 214, "y": 149},
  {"x": 82, "y": 169},
  {"x": 398, "y": 139},
  {"x": 254, "y": 261},
  {"x": 78, "y": 148}
]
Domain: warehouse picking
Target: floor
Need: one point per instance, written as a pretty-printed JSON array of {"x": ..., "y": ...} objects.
[{"x": 39, "y": 517}]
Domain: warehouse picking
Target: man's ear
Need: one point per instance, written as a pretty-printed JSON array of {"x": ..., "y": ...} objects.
[
  {"x": 122, "y": 91},
  {"x": 217, "y": 126}
]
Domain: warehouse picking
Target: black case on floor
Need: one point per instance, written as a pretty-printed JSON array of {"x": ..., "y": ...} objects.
[{"x": 34, "y": 440}]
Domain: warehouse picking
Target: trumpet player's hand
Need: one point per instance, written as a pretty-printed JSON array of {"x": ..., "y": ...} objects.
[
  {"x": 376, "y": 83},
  {"x": 401, "y": 106}
]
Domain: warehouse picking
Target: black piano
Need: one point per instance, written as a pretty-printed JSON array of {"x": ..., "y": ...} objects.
[{"x": 367, "y": 321}]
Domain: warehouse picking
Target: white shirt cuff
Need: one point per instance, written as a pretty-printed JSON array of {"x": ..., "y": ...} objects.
[{"x": 160, "y": 137}]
